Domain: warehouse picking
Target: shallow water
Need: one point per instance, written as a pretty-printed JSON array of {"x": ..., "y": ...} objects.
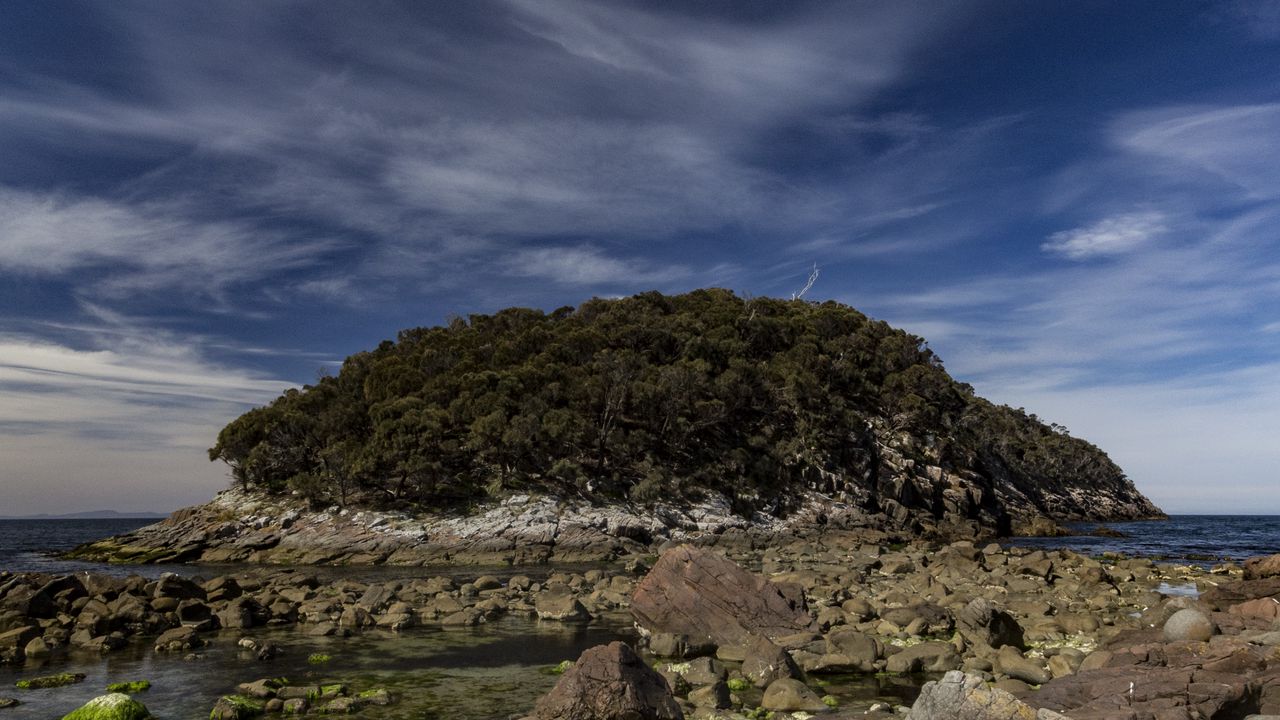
[{"x": 488, "y": 672}]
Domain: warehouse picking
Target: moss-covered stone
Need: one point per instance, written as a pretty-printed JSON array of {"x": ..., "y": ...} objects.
[
  {"x": 116, "y": 706},
  {"x": 50, "y": 681},
  {"x": 318, "y": 658},
  {"x": 236, "y": 707},
  {"x": 130, "y": 688}
]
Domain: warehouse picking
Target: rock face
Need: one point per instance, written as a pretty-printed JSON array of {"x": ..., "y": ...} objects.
[
  {"x": 706, "y": 596},
  {"x": 609, "y": 682},
  {"x": 958, "y": 696}
]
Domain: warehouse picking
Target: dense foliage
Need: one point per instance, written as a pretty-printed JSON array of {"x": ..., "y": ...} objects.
[{"x": 645, "y": 397}]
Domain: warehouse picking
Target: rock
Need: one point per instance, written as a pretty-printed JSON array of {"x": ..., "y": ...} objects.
[
  {"x": 179, "y": 638},
  {"x": 174, "y": 586},
  {"x": 236, "y": 707},
  {"x": 706, "y": 596},
  {"x": 50, "y": 681},
  {"x": 925, "y": 657},
  {"x": 704, "y": 671},
  {"x": 958, "y": 696},
  {"x": 981, "y": 622},
  {"x": 1262, "y": 567},
  {"x": 37, "y": 648},
  {"x": 715, "y": 696},
  {"x": 13, "y": 643},
  {"x": 787, "y": 694},
  {"x": 115, "y": 706},
  {"x": 1265, "y": 608},
  {"x": 560, "y": 605},
  {"x": 222, "y": 588},
  {"x": 7, "y": 702},
  {"x": 609, "y": 682},
  {"x": 1188, "y": 625},
  {"x": 239, "y": 614},
  {"x": 1011, "y": 662},
  {"x": 765, "y": 662}
]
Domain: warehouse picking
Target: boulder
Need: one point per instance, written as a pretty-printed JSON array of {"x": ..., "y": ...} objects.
[
  {"x": 1262, "y": 567},
  {"x": 1011, "y": 662},
  {"x": 981, "y": 622},
  {"x": 927, "y": 657},
  {"x": 236, "y": 707},
  {"x": 958, "y": 696},
  {"x": 1188, "y": 625},
  {"x": 704, "y": 595},
  {"x": 560, "y": 604},
  {"x": 1265, "y": 608},
  {"x": 173, "y": 586},
  {"x": 115, "y": 706},
  {"x": 765, "y": 662},
  {"x": 791, "y": 695},
  {"x": 609, "y": 682},
  {"x": 179, "y": 638}
]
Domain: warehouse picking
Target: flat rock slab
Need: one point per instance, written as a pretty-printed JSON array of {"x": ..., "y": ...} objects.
[{"x": 704, "y": 595}]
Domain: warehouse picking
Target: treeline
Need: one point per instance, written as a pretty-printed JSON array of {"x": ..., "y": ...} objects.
[{"x": 645, "y": 397}]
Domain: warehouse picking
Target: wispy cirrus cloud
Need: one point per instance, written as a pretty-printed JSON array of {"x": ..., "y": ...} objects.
[{"x": 1110, "y": 236}]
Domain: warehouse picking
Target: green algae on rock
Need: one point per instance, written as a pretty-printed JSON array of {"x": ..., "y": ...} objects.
[
  {"x": 116, "y": 706},
  {"x": 130, "y": 688},
  {"x": 50, "y": 681},
  {"x": 236, "y": 707}
]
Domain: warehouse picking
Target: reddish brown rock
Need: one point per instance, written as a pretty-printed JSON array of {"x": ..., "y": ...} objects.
[
  {"x": 704, "y": 595},
  {"x": 1265, "y": 608},
  {"x": 1262, "y": 567},
  {"x": 1232, "y": 593},
  {"x": 609, "y": 682}
]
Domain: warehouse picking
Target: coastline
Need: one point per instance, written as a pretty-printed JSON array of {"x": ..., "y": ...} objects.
[
  {"x": 242, "y": 527},
  {"x": 1076, "y": 613}
]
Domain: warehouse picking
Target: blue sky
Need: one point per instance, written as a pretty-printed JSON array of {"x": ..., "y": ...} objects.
[{"x": 204, "y": 203}]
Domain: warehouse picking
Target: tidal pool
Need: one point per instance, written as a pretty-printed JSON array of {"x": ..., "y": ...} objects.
[{"x": 491, "y": 671}]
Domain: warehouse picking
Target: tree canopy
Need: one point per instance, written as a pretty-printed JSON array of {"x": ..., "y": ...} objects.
[{"x": 647, "y": 397}]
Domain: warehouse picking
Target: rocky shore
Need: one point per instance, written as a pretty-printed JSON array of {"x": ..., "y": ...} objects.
[
  {"x": 247, "y": 527},
  {"x": 755, "y": 632}
]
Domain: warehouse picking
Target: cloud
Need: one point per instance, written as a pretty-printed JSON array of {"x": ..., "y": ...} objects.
[
  {"x": 120, "y": 419},
  {"x": 1234, "y": 143},
  {"x": 1109, "y": 236},
  {"x": 139, "y": 245},
  {"x": 586, "y": 265}
]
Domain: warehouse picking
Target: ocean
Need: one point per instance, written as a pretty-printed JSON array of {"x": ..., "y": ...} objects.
[
  {"x": 32, "y": 545},
  {"x": 1190, "y": 539}
]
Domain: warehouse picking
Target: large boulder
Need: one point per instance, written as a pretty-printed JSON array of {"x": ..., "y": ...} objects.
[
  {"x": 958, "y": 696},
  {"x": 704, "y": 595},
  {"x": 116, "y": 706},
  {"x": 609, "y": 682}
]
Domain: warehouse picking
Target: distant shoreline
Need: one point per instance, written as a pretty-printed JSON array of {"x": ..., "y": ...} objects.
[{"x": 90, "y": 515}]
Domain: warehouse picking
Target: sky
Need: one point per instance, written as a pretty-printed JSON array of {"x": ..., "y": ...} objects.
[{"x": 202, "y": 204}]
